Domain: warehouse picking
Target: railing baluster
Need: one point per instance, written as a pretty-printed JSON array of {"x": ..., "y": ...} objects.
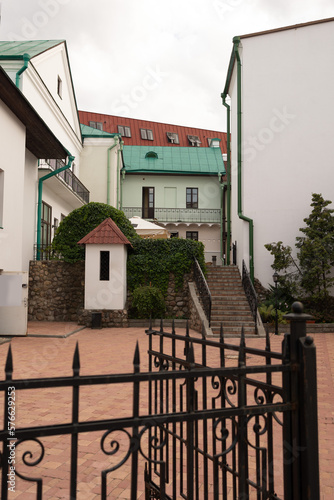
[
  {"x": 242, "y": 424},
  {"x": 5, "y": 449}
]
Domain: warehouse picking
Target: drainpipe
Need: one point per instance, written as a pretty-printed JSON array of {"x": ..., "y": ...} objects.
[
  {"x": 236, "y": 41},
  {"x": 228, "y": 185},
  {"x": 39, "y": 203},
  {"x": 26, "y": 59},
  {"x": 108, "y": 169},
  {"x": 118, "y": 180},
  {"x": 223, "y": 185}
]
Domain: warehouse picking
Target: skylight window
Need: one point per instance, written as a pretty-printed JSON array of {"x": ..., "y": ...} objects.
[
  {"x": 151, "y": 154},
  {"x": 173, "y": 137},
  {"x": 214, "y": 143},
  {"x": 97, "y": 125},
  {"x": 124, "y": 131},
  {"x": 194, "y": 140},
  {"x": 146, "y": 134}
]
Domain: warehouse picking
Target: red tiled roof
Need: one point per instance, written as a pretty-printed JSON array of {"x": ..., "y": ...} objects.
[
  {"x": 106, "y": 233},
  {"x": 110, "y": 124}
]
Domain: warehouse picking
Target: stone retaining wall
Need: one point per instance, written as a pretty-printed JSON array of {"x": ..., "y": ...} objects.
[
  {"x": 56, "y": 293},
  {"x": 56, "y": 290}
]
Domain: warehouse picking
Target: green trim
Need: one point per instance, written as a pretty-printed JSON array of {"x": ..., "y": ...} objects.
[
  {"x": 236, "y": 42},
  {"x": 39, "y": 203},
  {"x": 228, "y": 184},
  {"x": 26, "y": 59}
]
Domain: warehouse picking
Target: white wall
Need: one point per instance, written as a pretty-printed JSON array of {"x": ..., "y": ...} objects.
[
  {"x": 105, "y": 294},
  {"x": 13, "y": 236},
  {"x": 208, "y": 189},
  {"x": 288, "y": 129},
  {"x": 30, "y": 209},
  {"x": 93, "y": 169}
]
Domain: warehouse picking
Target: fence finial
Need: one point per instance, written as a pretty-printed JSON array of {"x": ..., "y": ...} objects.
[
  {"x": 9, "y": 363},
  {"x": 221, "y": 333},
  {"x": 136, "y": 358},
  {"x": 203, "y": 330},
  {"x": 242, "y": 354},
  {"x": 191, "y": 356},
  {"x": 76, "y": 360}
]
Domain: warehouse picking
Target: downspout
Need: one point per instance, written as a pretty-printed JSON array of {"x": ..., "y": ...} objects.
[
  {"x": 228, "y": 185},
  {"x": 223, "y": 185},
  {"x": 118, "y": 180},
  {"x": 236, "y": 42},
  {"x": 26, "y": 59},
  {"x": 39, "y": 203}
]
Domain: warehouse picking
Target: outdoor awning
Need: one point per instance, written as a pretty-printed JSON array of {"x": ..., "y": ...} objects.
[{"x": 147, "y": 229}]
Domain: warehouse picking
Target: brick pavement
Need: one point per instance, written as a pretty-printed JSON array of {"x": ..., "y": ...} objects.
[{"x": 50, "y": 353}]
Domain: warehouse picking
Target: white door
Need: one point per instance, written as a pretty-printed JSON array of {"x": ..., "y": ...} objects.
[{"x": 13, "y": 303}]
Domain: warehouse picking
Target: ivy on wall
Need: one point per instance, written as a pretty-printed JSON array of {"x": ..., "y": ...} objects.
[{"x": 152, "y": 261}]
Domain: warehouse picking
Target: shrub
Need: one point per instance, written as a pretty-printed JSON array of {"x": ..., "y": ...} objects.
[{"x": 149, "y": 302}]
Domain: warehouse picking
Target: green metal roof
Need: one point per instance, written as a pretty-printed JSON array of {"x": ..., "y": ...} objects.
[
  {"x": 87, "y": 131},
  {"x": 175, "y": 160},
  {"x": 31, "y": 47}
]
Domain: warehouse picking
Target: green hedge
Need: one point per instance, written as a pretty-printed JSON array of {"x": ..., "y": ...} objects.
[{"x": 152, "y": 261}]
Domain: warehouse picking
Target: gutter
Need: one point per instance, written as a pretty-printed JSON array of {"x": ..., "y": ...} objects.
[
  {"x": 26, "y": 59},
  {"x": 228, "y": 184},
  {"x": 39, "y": 203},
  {"x": 236, "y": 41}
]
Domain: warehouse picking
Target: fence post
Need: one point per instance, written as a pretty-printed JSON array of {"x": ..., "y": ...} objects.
[{"x": 301, "y": 469}]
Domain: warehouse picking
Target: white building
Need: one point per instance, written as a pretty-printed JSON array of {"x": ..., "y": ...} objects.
[
  {"x": 40, "y": 70},
  {"x": 279, "y": 91}
]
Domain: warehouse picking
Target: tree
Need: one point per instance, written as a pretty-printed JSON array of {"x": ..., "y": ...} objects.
[
  {"x": 80, "y": 222},
  {"x": 316, "y": 249}
]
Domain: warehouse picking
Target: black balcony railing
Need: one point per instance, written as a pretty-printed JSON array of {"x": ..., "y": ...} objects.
[
  {"x": 69, "y": 178},
  {"x": 204, "y": 215}
]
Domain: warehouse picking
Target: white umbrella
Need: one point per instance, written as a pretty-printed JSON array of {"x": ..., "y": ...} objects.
[{"x": 147, "y": 229}]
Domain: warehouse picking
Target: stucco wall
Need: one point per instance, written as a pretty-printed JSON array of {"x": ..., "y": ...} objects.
[
  {"x": 287, "y": 135},
  {"x": 13, "y": 165}
]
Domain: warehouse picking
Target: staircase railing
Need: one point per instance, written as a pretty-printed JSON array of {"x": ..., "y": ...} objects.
[
  {"x": 203, "y": 290},
  {"x": 250, "y": 292}
]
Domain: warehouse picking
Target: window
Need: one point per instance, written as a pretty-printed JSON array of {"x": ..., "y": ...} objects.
[
  {"x": 45, "y": 229},
  {"x": 192, "y": 235},
  {"x": 146, "y": 133},
  {"x": 60, "y": 87},
  {"x": 148, "y": 203},
  {"x": 194, "y": 140},
  {"x": 174, "y": 234},
  {"x": 192, "y": 198},
  {"x": 104, "y": 265},
  {"x": 214, "y": 143},
  {"x": 173, "y": 138},
  {"x": 2, "y": 174},
  {"x": 124, "y": 131},
  {"x": 97, "y": 125}
]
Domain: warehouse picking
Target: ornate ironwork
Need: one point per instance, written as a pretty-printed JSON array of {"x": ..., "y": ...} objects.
[
  {"x": 250, "y": 293},
  {"x": 203, "y": 290},
  {"x": 203, "y": 215},
  {"x": 208, "y": 426},
  {"x": 69, "y": 178}
]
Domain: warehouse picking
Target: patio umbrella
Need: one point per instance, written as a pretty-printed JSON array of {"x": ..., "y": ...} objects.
[{"x": 147, "y": 229}]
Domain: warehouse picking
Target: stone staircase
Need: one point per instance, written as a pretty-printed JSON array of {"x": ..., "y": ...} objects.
[{"x": 229, "y": 303}]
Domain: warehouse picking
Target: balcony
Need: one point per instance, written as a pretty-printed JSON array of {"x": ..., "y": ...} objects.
[
  {"x": 171, "y": 215},
  {"x": 68, "y": 177}
]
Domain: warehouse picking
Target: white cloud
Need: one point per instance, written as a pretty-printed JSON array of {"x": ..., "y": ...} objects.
[{"x": 115, "y": 46}]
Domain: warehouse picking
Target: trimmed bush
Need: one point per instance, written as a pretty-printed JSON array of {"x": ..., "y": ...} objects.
[{"x": 149, "y": 302}]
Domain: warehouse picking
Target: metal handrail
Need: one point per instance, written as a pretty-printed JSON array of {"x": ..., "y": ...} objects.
[
  {"x": 205, "y": 215},
  {"x": 70, "y": 179},
  {"x": 203, "y": 290},
  {"x": 250, "y": 292}
]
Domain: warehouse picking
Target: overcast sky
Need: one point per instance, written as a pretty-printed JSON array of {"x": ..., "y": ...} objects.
[{"x": 151, "y": 59}]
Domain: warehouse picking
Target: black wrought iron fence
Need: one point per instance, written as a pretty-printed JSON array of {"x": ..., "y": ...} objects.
[
  {"x": 203, "y": 427},
  {"x": 203, "y": 290}
]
